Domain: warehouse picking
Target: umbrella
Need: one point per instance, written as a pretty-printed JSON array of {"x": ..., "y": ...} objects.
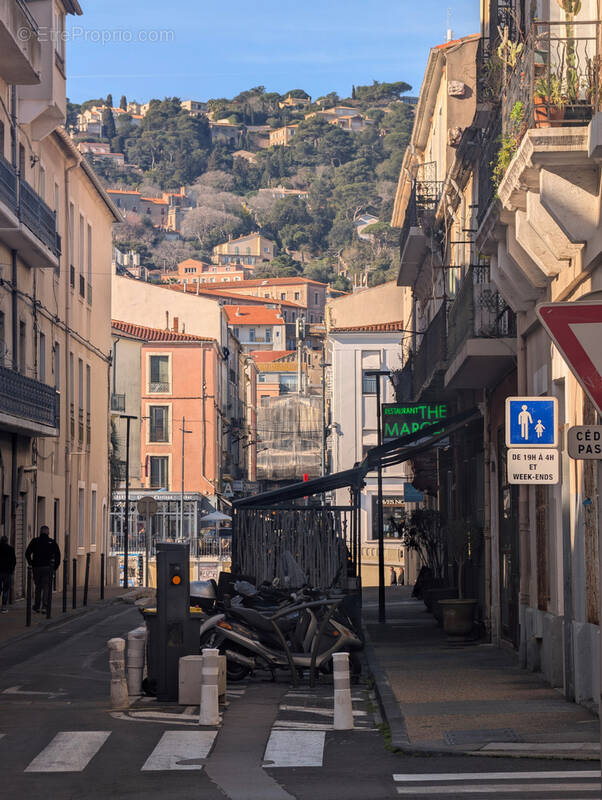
[{"x": 215, "y": 516}]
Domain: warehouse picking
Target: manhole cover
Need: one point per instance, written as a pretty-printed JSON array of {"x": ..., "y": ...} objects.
[{"x": 482, "y": 736}]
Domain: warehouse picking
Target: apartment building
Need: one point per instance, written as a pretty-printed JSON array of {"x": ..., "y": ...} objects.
[
  {"x": 55, "y": 298},
  {"x": 257, "y": 327},
  {"x": 248, "y": 250},
  {"x": 193, "y": 271}
]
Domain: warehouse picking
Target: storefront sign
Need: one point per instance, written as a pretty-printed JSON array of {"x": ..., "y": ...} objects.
[
  {"x": 533, "y": 466},
  {"x": 402, "y": 419},
  {"x": 585, "y": 441},
  {"x": 411, "y": 494}
]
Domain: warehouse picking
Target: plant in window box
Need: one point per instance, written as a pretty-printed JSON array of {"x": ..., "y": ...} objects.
[{"x": 549, "y": 100}]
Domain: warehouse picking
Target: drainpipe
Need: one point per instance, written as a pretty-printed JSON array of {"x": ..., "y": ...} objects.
[
  {"x": 524, "y": 530},
  {"x": 68, "y": 387}
]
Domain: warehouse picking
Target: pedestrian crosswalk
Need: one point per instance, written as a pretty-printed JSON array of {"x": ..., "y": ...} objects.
[
  {"x": 566, "y": 784},
  {"x": 180, "y": 750},
  {"x": 69, "y": 751}
]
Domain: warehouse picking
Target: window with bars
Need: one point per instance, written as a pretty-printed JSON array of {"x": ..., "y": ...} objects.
[
  {"x": 159, "y": 374},
  {"x": 159, "y": 424}
]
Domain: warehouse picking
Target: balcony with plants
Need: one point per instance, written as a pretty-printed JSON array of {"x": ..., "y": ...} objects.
[{"x": 481, "y": 333}]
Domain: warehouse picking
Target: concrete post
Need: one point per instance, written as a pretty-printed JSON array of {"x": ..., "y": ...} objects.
[
  {"x": 119, "y": 688},
  {"x": 343, "y": 711},
  {"x": 190, "y": 680},
  {"x": 209, "y": 711},
  {"x": 135, "y": 660}
]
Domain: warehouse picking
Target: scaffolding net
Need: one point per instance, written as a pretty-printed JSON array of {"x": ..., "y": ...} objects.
[{"x": 289, "y": 432}]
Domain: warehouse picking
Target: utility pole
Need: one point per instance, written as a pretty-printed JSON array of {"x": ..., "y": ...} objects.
[
  {"x": 126, "y": 510},
  {"x": 324, "y": 364},
  {"x": 184, "y": 432},
  {"x": 300, "y": 332},
  {"x": 377, "y": 373}
]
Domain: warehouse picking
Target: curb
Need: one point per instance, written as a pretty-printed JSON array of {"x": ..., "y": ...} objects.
[
  {"x": 400, "y": 740},
  {"x": 72, "y": 613}
]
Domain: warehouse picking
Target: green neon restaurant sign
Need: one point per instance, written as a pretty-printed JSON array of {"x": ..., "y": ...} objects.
[{"x": 402, "y": 419}]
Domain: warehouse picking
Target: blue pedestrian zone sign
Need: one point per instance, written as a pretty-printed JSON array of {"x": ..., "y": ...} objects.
[{"x": 531, "y": 422}]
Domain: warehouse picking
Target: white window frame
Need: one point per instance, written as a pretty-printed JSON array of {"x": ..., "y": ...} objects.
[
  {"x": 169, "y": 408},
  {"x": 148, "y": 373},
  {"x": 160, "y": 455}
]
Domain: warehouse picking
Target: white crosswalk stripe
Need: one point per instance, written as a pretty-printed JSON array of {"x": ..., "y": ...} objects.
[
  {"x": 69, "y": 751},
  {"x": 570, "y": 784},
  {"x": 295, "y": 749},
  {"x": 180, "y": 750}
]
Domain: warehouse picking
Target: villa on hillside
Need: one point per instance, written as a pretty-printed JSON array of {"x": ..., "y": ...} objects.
[{"x": 250, "y": 250}]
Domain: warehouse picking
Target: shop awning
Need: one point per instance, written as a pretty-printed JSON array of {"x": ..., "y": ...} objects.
[{"x": 389, "y": 454}]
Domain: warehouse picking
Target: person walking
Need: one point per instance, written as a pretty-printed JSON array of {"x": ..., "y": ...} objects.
[
  {"x": 8, "y": 562},
  {"x": 393, "y": 577},
  {"x": 42, "y": 554},
  {"x": 401, "y": 578}
]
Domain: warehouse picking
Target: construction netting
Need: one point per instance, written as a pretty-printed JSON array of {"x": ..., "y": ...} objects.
[{"x": 289, "y": 434}]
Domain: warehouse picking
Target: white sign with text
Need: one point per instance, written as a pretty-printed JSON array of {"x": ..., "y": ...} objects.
[{"x": 533, "y": 467}]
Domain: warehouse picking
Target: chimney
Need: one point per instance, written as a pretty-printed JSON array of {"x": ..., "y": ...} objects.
[{"x": 176, "y": 323}]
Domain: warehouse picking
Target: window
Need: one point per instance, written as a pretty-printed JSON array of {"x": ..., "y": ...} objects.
[
  {"x": 72, "y": 241},
  {"x": 297, "y": 296},
  {"x": 266, "y": 294},
  {"x": 369, "y": 383},
  {"x": 159, "y": 466},
  {"x": 236, "y": 250},
  {"x": 82, "y": 244},
  {"x": 237, "y": 332},
  {"x": 159, "y": 423},
  {"x": 268, "y": 334},
  {"x": 251, "y": 334},
  {"x": 81, "y": 519},
  {"x": 159, "y": 374},
  {"x": 22, "y": 347},
  {"x": 283, "y": 295},
  {"x": 248, "y": 250},
  {"x": 311, "y": 317},
  {"x": 57, "y": 366},
  {"x": 316, "y": 298},
  {"x": 80, "y": 387},
  {"x": 93, "y": 518},
  {"x": 89, "y": 264},
  {"x": 42, "y": 359}
]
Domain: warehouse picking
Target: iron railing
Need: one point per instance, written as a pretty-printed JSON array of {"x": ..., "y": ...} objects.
[
  {"x": 556, "y": 80},
  {"x": 38, "y": 217},
  {"x": 29, "y": 16},
  {"x": 431, "y": 356},
  {"x": 158, "y": 386},
  {"x": 488, "y": 150},
  {"x": 27, "y": 398},
  {"x": 424, "y": 198},
  {"x": 8, "y": 185},
  {"x": 479, "y": 311},
  {"x": 402, "y": 381}
]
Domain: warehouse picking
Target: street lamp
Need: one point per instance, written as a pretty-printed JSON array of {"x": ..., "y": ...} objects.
[
  {"x": 126, "y": 514},
  {"x": 377, "y": 373}
]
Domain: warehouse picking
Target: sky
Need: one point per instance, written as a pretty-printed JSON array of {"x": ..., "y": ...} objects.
[{"x": 198, "y": 49}]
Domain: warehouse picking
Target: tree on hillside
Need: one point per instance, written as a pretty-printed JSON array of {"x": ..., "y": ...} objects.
[
  {"x": 381, "y": 92},
  {"x": 108, "y": 124},
  {"x": 123, "y": 103},
  {"x": 215, "y": 179},
  {"x": 73, "y": 109},
  {"x": 336, "y": 147},
  {"x": 109, "y": 101},
  {"x": 209, "y": 226},
  {"x": 283, "y": 266}
]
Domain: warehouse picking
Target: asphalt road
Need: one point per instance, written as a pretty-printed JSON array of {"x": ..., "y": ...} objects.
[{"x": 60, "y": 740}]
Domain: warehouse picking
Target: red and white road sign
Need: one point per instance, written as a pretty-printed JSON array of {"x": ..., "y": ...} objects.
[{"x": 576, "y": 330}]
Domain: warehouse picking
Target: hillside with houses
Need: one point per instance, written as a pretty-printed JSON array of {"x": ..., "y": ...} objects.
[{"x": 260, "y": 186}]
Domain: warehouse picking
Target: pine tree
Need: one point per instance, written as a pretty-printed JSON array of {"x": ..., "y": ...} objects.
[
  {"x": 353, "y": 93},
  {"x": 108, "y": 124},
  {"x": 123, "y": 103},
  {"x": 109, "y": 101}
]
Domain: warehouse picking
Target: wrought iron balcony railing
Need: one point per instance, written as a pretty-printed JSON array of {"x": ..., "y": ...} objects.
[
  {"x": 38, "y": 217},
  {"x": 431, "y": 356},
  {"x": 8, "y": 185},
  {"x": 28, "y": 399},
  {"x": 424, "y": 198},
  {"x": 402, "y": 381},
  {"x": 478, "y": 311},
  {"x": 556, "y": 80}
]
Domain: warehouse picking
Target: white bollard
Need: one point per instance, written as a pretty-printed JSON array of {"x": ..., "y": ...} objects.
[
  {"x": 119, "y": 687},
  {"x": 209, "y": 712},
  {"x": 189, "y": 680},
  {"x": 343, "y": 710},
  {"x": 135, "y": 660}
]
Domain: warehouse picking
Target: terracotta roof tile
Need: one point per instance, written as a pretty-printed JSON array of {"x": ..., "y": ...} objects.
[
  {"x": 207, "y": 290},
  {"x": 264, "y": 356},
  {"x": 147, "y": 334},
  {"x": 379, "y": 327},
  {"x": 253, "y": 315}
]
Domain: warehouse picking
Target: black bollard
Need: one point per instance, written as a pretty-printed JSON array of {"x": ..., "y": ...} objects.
[
  {"x": 86, "y": 579},
  {"x": 65, "y": 568},
  {"x": 102, "y": 576},
  {"x": 74, "y": 586},
  {"x": 49, "y": 589},
  {"x": 28, "y": 598}
]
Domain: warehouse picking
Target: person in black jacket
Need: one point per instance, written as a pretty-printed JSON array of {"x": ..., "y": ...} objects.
[
  {"x": 43, "y": 555},
  {"x": 8, "y": 562}
]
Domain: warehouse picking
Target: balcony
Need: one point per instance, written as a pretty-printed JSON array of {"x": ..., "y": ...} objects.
[
  {"x": 403, "y": 382},
  {"x": 430, "y": 360},
  {"x": 27, "y": 406},
  {"x": 19, "y": 44},
  {"x": 481, "y": 341},
  {"x": 415, "y": 234},
  {"x": 556, "y": 82}
]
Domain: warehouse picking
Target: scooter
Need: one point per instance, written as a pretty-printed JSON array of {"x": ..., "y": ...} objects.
[{"x": 298, "y": 636}]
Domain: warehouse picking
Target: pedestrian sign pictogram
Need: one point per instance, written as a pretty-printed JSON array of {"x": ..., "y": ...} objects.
[{"x": 531, "y": 422}]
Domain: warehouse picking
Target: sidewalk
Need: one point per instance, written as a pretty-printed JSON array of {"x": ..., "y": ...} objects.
[
  {"x": 13, "y": 627},
  {"x": 439, "y": 697}
]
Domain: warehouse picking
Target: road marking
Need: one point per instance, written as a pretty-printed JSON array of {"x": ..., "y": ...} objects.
[
  {"x": 501, "y": 788},
  {"x": 12, "y": 690},
  {"x": 295, "y": 749},
  {"x": 326, "y": 712},
  {"x": 154, "y": 720},
  {"x": 180, "y": 750},
  {"x": 69, "y": 751},
  {"x": 496, "y": 776}
]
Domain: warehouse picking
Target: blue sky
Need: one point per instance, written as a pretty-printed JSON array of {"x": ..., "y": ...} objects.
[{"x": 217, "y": 49}]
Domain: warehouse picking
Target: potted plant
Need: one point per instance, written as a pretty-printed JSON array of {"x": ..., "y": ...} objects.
[
  {"x": 549, "y": 100},
  {"x": 424, "y": 533},
  {"x": 458, "y": 614}
]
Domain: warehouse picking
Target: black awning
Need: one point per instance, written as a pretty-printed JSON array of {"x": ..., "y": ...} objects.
[{"x": 394, "y": 452}]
